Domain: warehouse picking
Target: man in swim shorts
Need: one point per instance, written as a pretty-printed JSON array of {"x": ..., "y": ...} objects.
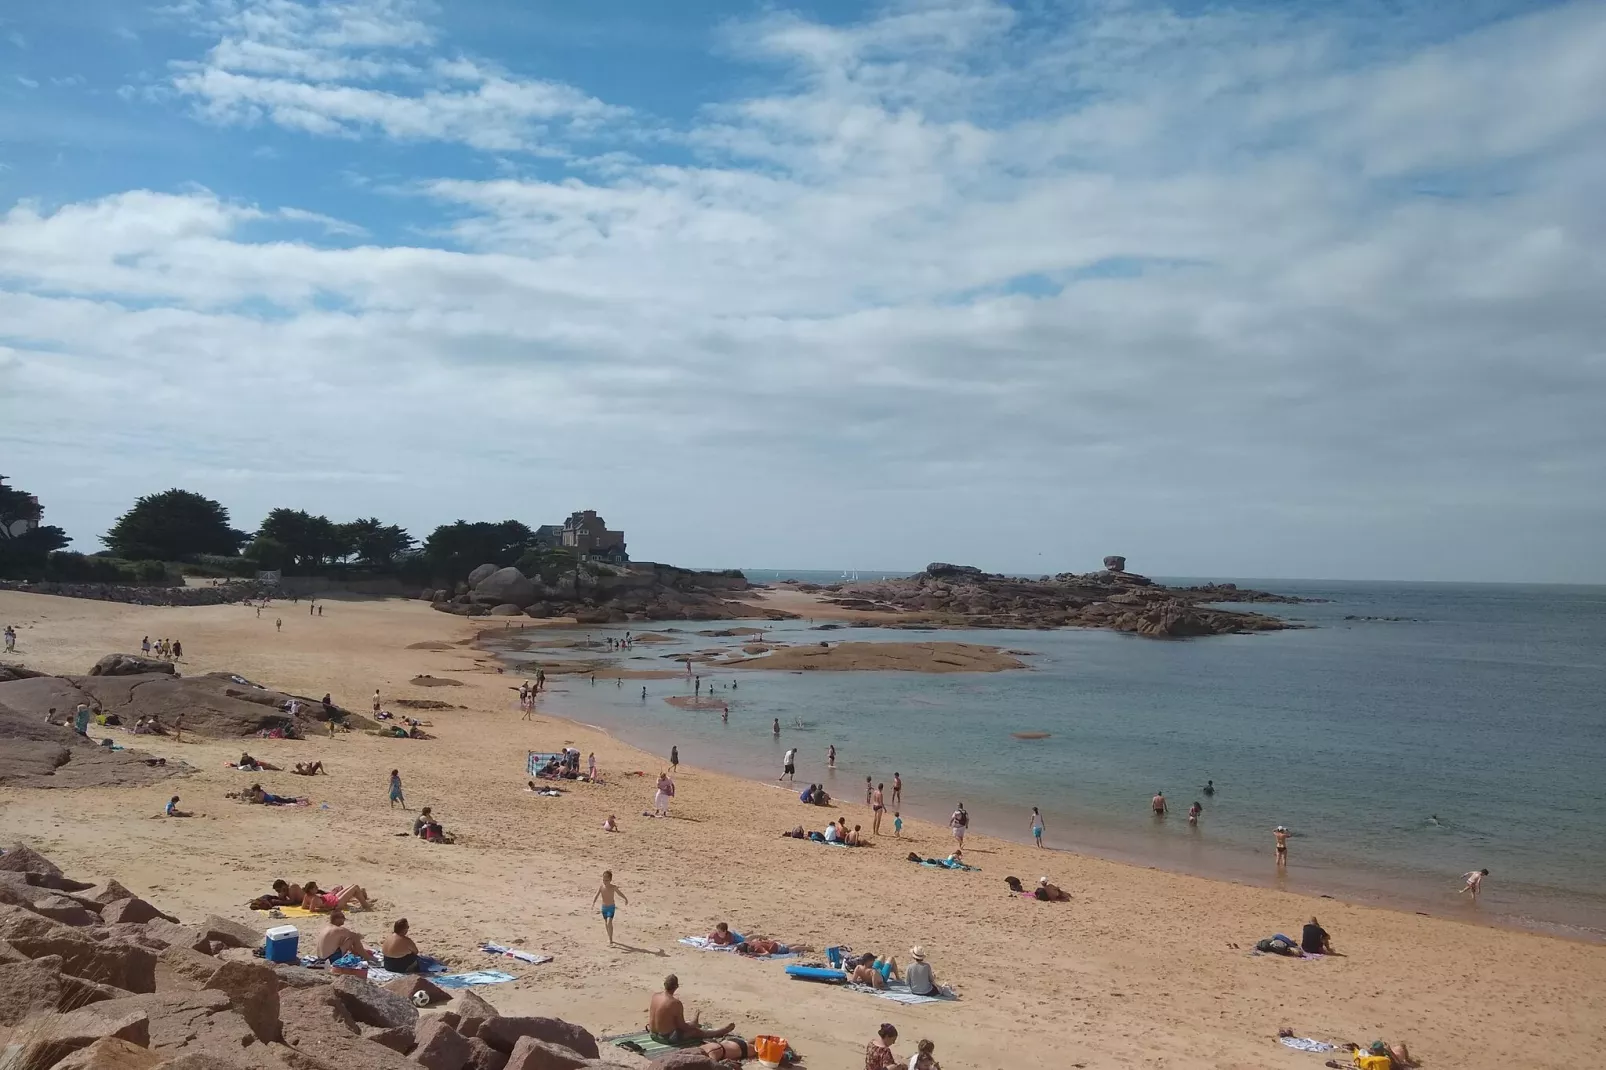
[{"x": 666, "y": 1019}]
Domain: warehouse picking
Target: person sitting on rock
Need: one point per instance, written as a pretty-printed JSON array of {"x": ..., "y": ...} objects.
[
  {"x": 400, "y": 953},
  {"x": 335, "y": 940}
]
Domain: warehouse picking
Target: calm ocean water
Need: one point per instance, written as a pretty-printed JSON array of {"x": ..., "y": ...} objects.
[{"x": 1484, "y": 707}]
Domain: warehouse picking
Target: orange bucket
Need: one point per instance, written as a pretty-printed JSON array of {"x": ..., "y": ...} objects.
[{"x": 770, "y": 1051}]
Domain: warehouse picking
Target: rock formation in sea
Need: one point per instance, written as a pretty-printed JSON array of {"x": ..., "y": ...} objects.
[
  {"x": 599, "y": 593},
  {"x": 965, "y": 596}
]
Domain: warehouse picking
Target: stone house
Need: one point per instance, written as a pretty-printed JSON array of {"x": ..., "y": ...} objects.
[{"x": 587, "y": 533}]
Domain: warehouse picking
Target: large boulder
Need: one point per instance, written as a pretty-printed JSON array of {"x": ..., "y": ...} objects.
[
  {"x": 472, "y": 1012},
  {"x": 29, "y": 987},
  {"x": 317, "y": 1024},
  {"x": 507, "y": 609},
  {"x": 532, "y": 1054},
  {"x": 439, "y": 1047},
  {"x": 21, "y": 858},
  {"x": 109, "y": 961},
  {"x": 481, "y": 1056},
  {"x": 481, "y": 574},
  {"x": 253, "y": 991},
  {"x": 504, "y": 585},
  {"x": 67, "y": 911},
  {"x": 45, "y": 1041},
  {"x": 110, "y": 1053},
  {"x": 130, "y": 665},
  {"x": 1115, "y": 563},
  {"x": 686, "y": 1059},
  {"x": 408, "y": 985},
  {"x": 503, "y": 1033},
  {"x": 132, "y": 911},
  {"x": 372, "y": 1005},
  {"x": 183, "y": 1022},
  {"x": 230, "y": 933},
  {"x": 213, "y": 704}
]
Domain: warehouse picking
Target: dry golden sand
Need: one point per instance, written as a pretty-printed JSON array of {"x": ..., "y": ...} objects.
[{"x": 1136, "y": 971}]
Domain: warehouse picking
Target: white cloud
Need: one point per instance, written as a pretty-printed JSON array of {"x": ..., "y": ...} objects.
[
  {"x": 363, "y": 68},
  {"x": 1185, "y": 298}
]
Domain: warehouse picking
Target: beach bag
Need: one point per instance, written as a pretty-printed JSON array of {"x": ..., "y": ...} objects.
[
  {"x": 1366, "y": 1061},
  {"x": 769, "y": 1051}
]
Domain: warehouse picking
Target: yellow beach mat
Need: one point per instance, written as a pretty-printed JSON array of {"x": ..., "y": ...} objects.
[{"x": 292, "y": 912}]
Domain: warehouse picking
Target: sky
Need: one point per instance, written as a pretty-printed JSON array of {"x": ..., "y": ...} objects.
[{"x": 1286, "y": 289}]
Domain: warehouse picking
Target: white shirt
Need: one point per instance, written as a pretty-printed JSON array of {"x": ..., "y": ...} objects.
[
  {"x": 790, "y": 756},
  {"x": 830, "y": 833}
]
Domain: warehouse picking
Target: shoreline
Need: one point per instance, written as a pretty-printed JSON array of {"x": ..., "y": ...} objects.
[
  {"x": 1305, "y": 882},
  {"x": 1142, "y": 968}
]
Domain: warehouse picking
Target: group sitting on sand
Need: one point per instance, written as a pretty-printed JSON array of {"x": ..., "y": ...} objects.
[
  {"x": 425, "y": 827},
  {"x": 836, "y": 832},
  {"x": 815, "y": 795}
]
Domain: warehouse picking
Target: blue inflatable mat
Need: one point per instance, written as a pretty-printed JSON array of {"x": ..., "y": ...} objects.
[{"x": 816, "y": 973}]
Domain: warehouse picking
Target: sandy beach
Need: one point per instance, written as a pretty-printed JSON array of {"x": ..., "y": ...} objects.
[{"x": 1142, "y": 968}]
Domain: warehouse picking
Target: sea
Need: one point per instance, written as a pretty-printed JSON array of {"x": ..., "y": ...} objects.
[{"x": 1408, "y": 733}]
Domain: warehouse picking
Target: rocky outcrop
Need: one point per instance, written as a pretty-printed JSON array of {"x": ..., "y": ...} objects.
[
  {"x": 214, "y": 704},
  {"x": 221, "y": 594},
  {"x": 131, "y": 665},
  {"x": 965, "y": 596},
  {"x": 229, "y": 1012},
  {"x": 40, "y": 755},
  {"x": 596, "y": 593}
]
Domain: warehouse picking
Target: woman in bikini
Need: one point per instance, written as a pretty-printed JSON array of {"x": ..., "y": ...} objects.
[{"x": 319, "y": 901}]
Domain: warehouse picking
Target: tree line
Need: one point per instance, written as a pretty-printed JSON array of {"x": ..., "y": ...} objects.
[{"x": 184, "y": 527}]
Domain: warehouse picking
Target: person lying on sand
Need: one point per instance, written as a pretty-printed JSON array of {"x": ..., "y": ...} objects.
[
  {"x": 334, "y": 940},
  {"x": 281, "y": 896},
  {"x": 256, "y": 794},
  {"x": 1279, "y": 945},
  {"x": 308, "y": 768},
  {"x": 255, "y": 765},
  {"x": 1398, "y": 1055},
  {"x": 319, "y": 901},
  {"x": 1049, "y": 893},
  {"x": 732, "y": 1049},
  {"x": 763, "y": 945},
  {"x": 400, "y": 953},
  {"x": 666, "y": 1018},
  {"x": 722, "y": 936}
]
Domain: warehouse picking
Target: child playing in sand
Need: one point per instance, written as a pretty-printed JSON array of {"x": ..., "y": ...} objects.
[
  {"x": 173, "y": 810},
  {"x": 610, "y": 825},
  {"x": 606, "y": 894}
]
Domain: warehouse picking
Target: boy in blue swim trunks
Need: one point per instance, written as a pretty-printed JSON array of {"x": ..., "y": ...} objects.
[{"x": 606, "y": 894}]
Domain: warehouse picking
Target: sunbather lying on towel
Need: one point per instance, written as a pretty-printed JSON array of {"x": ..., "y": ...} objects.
[
  {"x": 255, "y": 765},
  {"x": 763, "y": 945},
  {"x": 281, "y": 896},
  {"x": 319, "y": 901},
  {"x": 731, "y": 1049},
  {"x": 308, "y": 768},
  {"x": 875, "y": 972},
  {"x": 257, "y": 795}
]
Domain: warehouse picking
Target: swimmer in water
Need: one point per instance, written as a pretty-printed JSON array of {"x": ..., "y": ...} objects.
[{"x": 1210, "y": 787}]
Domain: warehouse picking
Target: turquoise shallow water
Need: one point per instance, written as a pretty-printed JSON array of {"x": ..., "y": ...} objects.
[{"x": 1486, "y": 707}]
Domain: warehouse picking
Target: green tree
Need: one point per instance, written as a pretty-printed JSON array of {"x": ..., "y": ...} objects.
[
  {"x": 23, "y": 539},
  {"x": 174, "y": 525},
  {"x": 457, "y": 549},
  {"x": 375, "y": 543},
  {"x": 303, "y": 541}
]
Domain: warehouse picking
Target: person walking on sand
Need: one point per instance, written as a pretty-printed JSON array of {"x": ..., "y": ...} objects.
[
  {"x": 278, "y": 624},
  {"x": 1157, "y": 804},
  {"x": 830, "y": 756},
  {"x": 960, "y": 822},
  {"x": 1037, "y": 826},
  {"x": 788, "y": 767},
  {"x": 878, "y": 806},
  {"x": 396, "y": 795},
  {"x": 144, "y": 644},
  {"x": 1474, "y": 882},
  {"x": 1280, "y": 833},
  {"x": 605, "y": 894},
  {"x": 897, "y": 790},
  {"x": 591, "y": 766},
  {"x": 674, "y": 759}
]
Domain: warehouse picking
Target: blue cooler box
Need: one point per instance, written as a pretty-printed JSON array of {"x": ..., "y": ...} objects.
[{"x": 280, "y": 944}]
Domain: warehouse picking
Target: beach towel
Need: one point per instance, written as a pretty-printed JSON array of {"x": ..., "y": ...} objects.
[
  {"x": 939, "y": 863},
  {"x": 646, "y": 1045},
  {"x": 514, "y": 953},
  {"x": 898, "y": 992},
  {"x": 472, "y": 979},
  {"x": 1306, "y": 1044},
  {"x": 701, "y": 944}
]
